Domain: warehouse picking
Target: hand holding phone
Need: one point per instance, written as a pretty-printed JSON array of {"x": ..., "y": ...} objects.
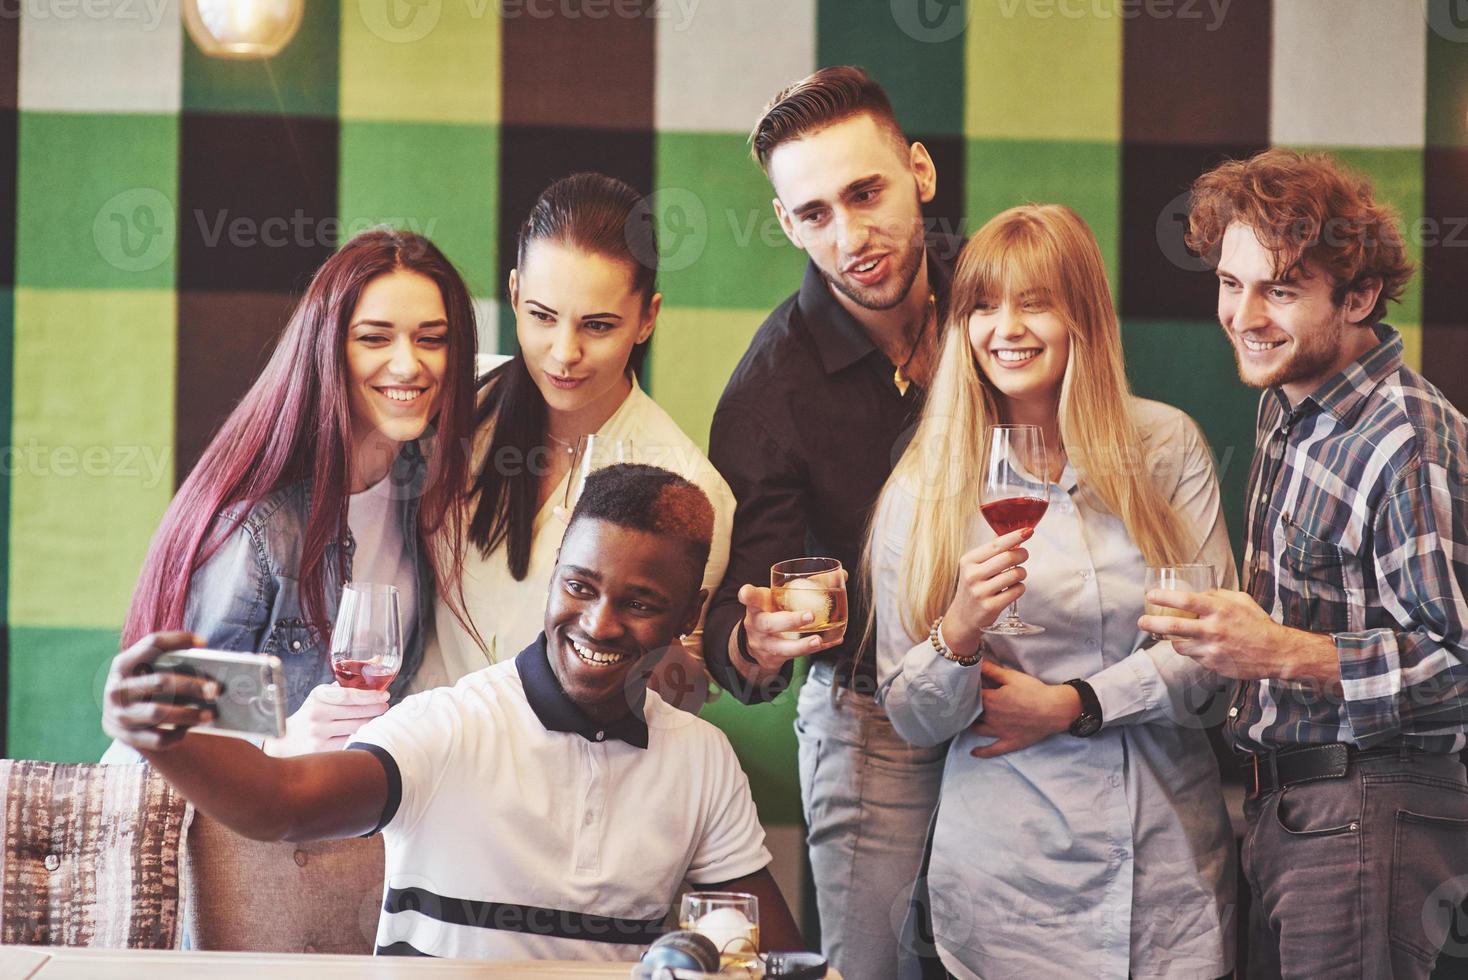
[
  {"x": 149, "y": 710},
  {"x": 162, "y": 686},
  {"x": 250, "y": 694}
]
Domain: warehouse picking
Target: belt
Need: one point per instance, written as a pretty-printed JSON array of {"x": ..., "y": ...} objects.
[{"x": 1270, "y": 771}]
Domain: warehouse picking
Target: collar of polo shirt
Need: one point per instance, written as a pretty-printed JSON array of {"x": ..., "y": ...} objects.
[{"x": 558, "y": 713}]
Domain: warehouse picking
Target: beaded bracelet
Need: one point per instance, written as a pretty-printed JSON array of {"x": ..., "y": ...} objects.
[{"x": 935, "y": 637}]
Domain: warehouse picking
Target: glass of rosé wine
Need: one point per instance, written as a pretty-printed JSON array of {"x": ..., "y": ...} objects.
[
  {"x": 367, "y": 641},
  {"x": 1016, "y": 494}
]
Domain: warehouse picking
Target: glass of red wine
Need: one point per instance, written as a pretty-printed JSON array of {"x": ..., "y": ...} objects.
[
  {"x": 367, "y": 641},
  {"x": 1016, "y": 494}
]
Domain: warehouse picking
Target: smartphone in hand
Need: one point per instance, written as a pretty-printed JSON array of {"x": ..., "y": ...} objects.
[{"x": 251, "y": 688}]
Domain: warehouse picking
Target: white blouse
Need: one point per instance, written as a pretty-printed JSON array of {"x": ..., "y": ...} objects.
[
  {"x": 510, "y": 613},
  {"x": 1104, "y": 856},
  {"x": 381, "y": 556}
]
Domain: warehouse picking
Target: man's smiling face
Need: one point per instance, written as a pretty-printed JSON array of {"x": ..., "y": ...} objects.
[
  {"x": 1290, "y": 331},
  {"x": 618, "y": 597}
]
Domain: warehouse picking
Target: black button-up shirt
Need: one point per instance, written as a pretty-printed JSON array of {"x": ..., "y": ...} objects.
[{"x": 806, "y": 433}]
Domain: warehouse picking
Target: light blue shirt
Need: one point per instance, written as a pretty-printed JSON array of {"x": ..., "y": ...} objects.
[{"x": 1077, "y": 857}]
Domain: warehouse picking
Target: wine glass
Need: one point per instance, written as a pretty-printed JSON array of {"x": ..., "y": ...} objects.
[
  {"x": 1178, "y": 578},
  {"x": 729, "y": 919},
  {"x": 813, "y": 585},
  {"x": 593, "y": 452},
  {"x": 367, "y": 640},
  {"x": 1016, "y": 494}
]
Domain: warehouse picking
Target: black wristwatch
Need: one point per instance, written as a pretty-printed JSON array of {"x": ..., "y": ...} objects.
[{"x": 1088, "y": 723}]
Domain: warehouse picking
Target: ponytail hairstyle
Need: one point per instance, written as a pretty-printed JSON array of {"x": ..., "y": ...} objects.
[
  {"x": 1046, "y": 248},
  {"x": 596, "y": 214},
  {"x": 295, "y": 424}
]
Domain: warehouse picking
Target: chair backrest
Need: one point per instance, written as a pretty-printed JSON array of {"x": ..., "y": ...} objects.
[
  {"x": 321, "y": 897},
  {"x": 91, "y": 856}
]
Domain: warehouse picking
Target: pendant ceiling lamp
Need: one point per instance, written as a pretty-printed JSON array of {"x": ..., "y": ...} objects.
[{"x": 242, "y": 29}]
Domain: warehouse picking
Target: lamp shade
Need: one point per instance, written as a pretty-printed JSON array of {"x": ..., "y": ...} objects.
[{"x": 242, "y": 29}]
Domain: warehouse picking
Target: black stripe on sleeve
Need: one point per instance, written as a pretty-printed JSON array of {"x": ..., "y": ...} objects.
[
  {"x": 402, "y": 949},
  {"x": 394, "y": 783},
  {"x": 531, "y": 919}
]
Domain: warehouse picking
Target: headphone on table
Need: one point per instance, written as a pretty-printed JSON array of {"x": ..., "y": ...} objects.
[{"x": 684, "y": 949}]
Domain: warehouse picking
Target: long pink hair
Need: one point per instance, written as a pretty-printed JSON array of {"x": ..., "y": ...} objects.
[{"x": 295, "y": 424}]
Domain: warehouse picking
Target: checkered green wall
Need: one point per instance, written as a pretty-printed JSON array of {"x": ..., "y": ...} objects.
[{"x": 167, "y": 206}]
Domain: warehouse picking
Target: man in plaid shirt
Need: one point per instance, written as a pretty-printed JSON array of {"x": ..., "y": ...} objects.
[{"x": 1349, "y": 639}]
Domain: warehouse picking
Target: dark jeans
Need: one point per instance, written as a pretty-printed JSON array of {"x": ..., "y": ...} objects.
[{"x": 1361, "y": 876}]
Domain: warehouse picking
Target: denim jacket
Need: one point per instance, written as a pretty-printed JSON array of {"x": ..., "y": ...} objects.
[{"x": 247, "y": 596}]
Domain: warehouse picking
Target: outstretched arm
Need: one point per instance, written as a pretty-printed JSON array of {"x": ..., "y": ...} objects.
[{"x": 308, "y": 797}]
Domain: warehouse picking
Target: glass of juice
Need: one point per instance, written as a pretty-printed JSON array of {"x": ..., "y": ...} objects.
[
  {"x": 1178, "y": 578},
  {"x": 367, "y": 640},
  {"x": 730, "y": 920},
  {"x": 816, "y": 586}
]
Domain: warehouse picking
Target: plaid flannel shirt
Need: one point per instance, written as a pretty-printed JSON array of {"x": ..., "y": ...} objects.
[{"x": 1358, "y": 527}]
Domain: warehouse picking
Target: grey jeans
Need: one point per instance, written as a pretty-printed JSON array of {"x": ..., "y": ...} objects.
[
  {"x": 1361, "y": 876},
  {"x": 867, "y": 797}
]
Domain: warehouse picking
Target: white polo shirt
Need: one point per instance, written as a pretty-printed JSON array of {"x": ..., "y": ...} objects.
[{"x": 516, "y": 828}]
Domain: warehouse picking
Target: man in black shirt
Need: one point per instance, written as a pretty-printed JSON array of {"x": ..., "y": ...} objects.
[{"x": 806, "y": 433}]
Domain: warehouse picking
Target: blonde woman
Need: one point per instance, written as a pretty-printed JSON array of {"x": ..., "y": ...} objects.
[{"x": 1081, "y": 828}]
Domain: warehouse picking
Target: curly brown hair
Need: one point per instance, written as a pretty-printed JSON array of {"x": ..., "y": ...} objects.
[
  {"x": 829, "y": 96},
  {"x": 1314, "y": 214}
]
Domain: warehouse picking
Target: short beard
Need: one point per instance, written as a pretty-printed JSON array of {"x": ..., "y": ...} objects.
[
  {"x": 906, "y": 275},
  {"x": 1305, "y": 363}
]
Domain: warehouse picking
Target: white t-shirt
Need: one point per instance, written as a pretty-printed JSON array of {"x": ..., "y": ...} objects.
[
  {"x": 509, "y": 613},
  {"x": 516, "y": 828},
  {"x": 381, "y": 556}
]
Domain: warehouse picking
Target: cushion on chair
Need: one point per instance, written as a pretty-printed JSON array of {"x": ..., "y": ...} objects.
[
  {"x": 321, "y": 897},
  {"x": 91, "y": 855}
]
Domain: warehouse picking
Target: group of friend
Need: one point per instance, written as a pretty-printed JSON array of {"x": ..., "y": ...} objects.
[{"x": 977, "y": 805}]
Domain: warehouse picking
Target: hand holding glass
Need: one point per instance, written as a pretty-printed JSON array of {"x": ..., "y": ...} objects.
[
  {"x": 1178, "y": 578},
  {"x": 813, "y": 585},
  {"x": 1013, "y": 498},
  {"x": 367, "y": 641}
]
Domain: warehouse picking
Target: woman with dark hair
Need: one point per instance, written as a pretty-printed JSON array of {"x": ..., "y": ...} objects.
[
  {"x": 585, "y": 300},
  {"x": 321, "y": 476}
]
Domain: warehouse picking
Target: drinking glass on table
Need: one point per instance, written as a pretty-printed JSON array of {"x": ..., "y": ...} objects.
[
  {"x": 1015, "y": 494},
  {"x": 813, "y": 585},
  {"x": 1178, "y": 578},
  {"x": 730, "y": 920},
  {"x": 593, "y": 452},
  {"x": 367, "y": 641}
]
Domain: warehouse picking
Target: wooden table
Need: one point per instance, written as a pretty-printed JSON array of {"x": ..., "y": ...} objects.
[
  {"x": 78, "y": 963},
  {"x": 74, "y": 963}
]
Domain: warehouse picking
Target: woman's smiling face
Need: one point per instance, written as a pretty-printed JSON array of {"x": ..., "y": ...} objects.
[
  {"x": 397, "y": 353},
  {"x": 577, "y": 317},
  {"x": 1020, "y": 344}
]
